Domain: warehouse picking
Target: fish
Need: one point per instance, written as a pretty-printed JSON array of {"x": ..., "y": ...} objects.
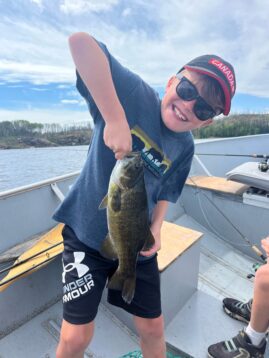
[{"x": 128, "y": 222}]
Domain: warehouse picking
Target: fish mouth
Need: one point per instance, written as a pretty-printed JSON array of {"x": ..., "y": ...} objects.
[
  {"x": 132, "y": 155},
  {"x": 129, "y": 170}
]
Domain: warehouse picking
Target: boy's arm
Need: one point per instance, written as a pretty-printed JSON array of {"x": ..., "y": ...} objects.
[
  {"x": 93, "y": 67},
  {"x": 156, "y": 225}
]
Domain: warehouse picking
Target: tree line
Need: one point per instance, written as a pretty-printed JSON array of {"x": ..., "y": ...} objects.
[
  {"x": 235, "y": 126},
  {"x": 22, "y": 128},
  {"x": 231, "y": 126}
]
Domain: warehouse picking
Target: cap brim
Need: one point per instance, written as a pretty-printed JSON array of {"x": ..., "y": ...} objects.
[{"x": 221, "y": 82}]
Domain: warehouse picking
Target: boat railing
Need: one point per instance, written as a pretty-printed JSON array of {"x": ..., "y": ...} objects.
[{"x": 37, "y": 185}]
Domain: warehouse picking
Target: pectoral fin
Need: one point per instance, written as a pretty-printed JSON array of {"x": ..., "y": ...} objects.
[
  {"x": 103, "y": 203},
  {"x": 108, "y": 249},
  {"x": 150, "y": 241}
]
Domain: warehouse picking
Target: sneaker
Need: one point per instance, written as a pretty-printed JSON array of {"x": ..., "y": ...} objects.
[
  {"x": 237, "y": 309},
  {"x": 238, "y": 346}
]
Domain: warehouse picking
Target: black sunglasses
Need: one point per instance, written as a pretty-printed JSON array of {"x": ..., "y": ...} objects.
[{"x": 188, "y": 92}]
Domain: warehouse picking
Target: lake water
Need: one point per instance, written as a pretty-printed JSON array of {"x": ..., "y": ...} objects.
[{"x": 19, "y": 167}]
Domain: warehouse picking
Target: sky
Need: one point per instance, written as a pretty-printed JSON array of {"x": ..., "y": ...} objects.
[{"x": 152, "y": 38}]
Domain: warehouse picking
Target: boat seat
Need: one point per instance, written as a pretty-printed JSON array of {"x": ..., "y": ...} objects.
[
  {"x": 175, "y": 241},
  {"x": 46, "y": 248},
  {"x": 218, "y": 184}
]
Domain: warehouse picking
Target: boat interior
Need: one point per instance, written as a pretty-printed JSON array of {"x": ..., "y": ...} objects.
[{"x": 206, "y": 255}]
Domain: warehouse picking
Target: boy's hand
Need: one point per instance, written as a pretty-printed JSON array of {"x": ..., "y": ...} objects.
[
  {"x": 156, "y": 247},
  {"x": 117, "y": 136},
  {"x": 265, "y": 245}
]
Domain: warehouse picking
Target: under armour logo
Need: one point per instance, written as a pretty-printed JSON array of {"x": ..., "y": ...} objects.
[{"x": 81, "y": 268}]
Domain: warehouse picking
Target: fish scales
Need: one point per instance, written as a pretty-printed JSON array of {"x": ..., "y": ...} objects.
[{"x": 128, "y": 222}]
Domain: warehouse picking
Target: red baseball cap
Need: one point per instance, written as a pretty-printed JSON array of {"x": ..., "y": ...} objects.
[{"x": 214, "y": 66}]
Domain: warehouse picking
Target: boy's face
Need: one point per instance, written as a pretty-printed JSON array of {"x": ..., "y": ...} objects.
[{"x": 178, "y": 114}]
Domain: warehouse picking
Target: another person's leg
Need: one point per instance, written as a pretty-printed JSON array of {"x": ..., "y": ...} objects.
[
  {"x": 252, "y": 341},
  {"x": 151, "y": 333},
  {"x": 259, "y": 321}
]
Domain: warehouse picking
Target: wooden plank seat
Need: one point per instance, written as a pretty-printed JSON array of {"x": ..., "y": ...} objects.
[
  {"x": 175, "y": 240},
  {"x": 217, "y": 184},
  {"x": 48, "y": 247}
]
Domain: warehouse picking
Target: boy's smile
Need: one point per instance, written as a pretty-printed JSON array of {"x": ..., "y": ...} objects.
[{"x": 178, "y": 114}]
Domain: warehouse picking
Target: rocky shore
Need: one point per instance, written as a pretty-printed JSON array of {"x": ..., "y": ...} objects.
[{"x": 50, "y": 140}]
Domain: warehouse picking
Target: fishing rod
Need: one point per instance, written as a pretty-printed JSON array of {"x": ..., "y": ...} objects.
[
  {"x": 23, "y": 273},
  {"x": 262, "y": 156},
  {"x": 257, "y": 251},
  {"x": 263, "y": 166},
  {"x": 29, "y": 258}
]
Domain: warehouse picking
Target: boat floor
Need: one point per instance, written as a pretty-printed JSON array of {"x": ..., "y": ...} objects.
[
  {"x": 201, "y": 322},
  {"x": 223, "y": 269},
  {"x": 222, "y": 273},
  {"x": 40, "y": 336}
]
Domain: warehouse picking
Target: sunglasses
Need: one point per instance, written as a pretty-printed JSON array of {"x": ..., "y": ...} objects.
[{"x": 188, "y": 92}]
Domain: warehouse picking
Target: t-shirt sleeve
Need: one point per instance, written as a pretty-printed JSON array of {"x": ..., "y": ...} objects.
[
  {"x": 173, "y": 187},
  {"x": 124, "y": 81}
]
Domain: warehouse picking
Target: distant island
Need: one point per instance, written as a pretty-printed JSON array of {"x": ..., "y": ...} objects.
[
  {"x": 24, "y": 134},
  {"x": 21, "y": 134}
]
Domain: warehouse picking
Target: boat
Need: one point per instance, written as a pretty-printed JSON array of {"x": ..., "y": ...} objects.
[{"x": 211, "y": 247}]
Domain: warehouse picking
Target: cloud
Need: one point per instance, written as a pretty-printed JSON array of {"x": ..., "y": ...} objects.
[
  {"x": 39, "y": 89},
  {"x": 63, "y": 86},
  {"x": 73, "y": 101},
  {"x": 126, "y": 12},
  {"x": 35, "y": 73},
  {"x": 153, "y": 39},
  {"x": 39, "y": 3},
  {"x": 84, "y": 6}
]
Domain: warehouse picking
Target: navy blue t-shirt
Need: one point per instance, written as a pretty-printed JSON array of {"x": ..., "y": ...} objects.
[{"x": 167, "y": 156}]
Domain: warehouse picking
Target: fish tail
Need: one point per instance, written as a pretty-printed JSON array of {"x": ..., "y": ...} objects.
[
  {"x": 124, "y": 284},
  {"x": 128, "y": 290}
]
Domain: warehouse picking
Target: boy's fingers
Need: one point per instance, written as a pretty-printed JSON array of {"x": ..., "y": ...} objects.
[
  {"x": 150, "y": 252},
  {"x": 119, "y": 155},
  {"x": 146, "y": 253}
]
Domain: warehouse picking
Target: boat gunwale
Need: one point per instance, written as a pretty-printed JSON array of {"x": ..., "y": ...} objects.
[{"x": 37, "y": 185}]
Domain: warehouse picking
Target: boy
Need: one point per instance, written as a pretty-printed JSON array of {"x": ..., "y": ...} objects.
[
  {"x": 251, "y": 342},
  {"x": 128, "y": 115}
]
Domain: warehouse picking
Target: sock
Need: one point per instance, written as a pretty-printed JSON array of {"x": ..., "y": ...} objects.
[{"x": 254, "y": 336}]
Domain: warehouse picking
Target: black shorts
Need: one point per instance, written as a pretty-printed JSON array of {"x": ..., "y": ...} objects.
[{"x": 85, "y": 273}]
